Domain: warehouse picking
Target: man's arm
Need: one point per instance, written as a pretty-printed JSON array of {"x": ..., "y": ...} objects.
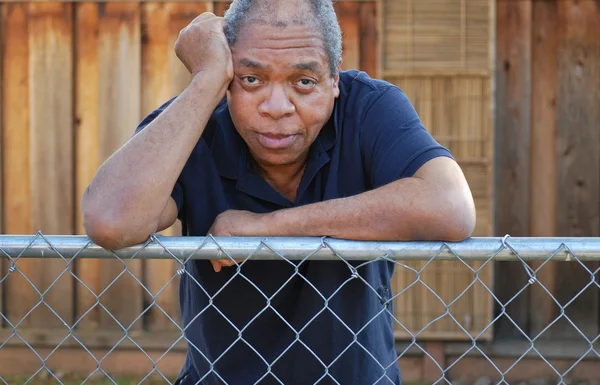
[
  {"x": 434, "y": 204},
  {"x": 129, "y": 198}
]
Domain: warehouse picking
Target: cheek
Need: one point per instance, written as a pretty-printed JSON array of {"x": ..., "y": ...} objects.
[
  {"x": 315, "y": 114},
  {"x": 240, "y": 106}
]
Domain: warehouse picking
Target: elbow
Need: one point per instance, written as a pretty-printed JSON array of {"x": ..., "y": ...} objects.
[
  {"x": 102, "y": 226},
  {"x": 102, "y": 231},
  {"x": 461, "y": 221}
]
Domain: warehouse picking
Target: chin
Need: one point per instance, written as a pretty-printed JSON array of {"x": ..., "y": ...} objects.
[{"x": 276, "y": 159}]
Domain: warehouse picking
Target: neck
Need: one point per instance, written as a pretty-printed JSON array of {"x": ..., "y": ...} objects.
[{"x": 283, "y": 178}]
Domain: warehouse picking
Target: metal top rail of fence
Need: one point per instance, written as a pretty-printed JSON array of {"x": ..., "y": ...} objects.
[{"x": 297, "y": 248}]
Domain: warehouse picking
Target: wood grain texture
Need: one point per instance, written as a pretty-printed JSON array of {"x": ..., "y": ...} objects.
[
  {"x": 119, "y": 113},
  {"x": 15, "y": 154},
  {"x": 578, "y": 140},
  {"x": 368, "y": 38},
  {"x": 348, "y": 16},
  {"x": 51, "y": 151},
  {"x": 180, "y": 15},
  {"x": 542, "y": 209},
  {"x": 512, "y": 145},
  {"x": 3, "y": 268},
  {"x": 219, "y": 7},
  {"x": 87, "y": 157}
]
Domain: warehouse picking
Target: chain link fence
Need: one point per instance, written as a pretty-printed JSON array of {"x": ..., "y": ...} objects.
[{"x": 440, "y": 292}]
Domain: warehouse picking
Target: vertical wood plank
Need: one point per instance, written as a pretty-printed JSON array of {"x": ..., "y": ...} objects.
[
  {"x": 2, "y": 259},
  {"x": 380, "y": 12},
  {"x": 51, "y": 151},
  {"x": 543, "y": 155},
  {"x": 87, "y": 158},
  {"x": 348, "y": 16},
  {"x": 578, "y": 140},
  {"x": 155, "y": 91},
  {"x": 15, "y": 152},
  {"x": 181, "y": 14},
  {"x": 119, "y": 114},
  {"x": 512, "y": 145},
  {"x": 368, "y": 38},
  {"x": 220, "y": 6},
  {"x": 163, "y": 76}
]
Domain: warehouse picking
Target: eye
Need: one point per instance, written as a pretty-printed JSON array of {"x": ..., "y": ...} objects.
[
  {"x": 250, "y": 80},
  {"x": 306, "y": 83}
]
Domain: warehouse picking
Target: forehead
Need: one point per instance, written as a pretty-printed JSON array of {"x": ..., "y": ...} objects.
[{"x": 267, "y": 41}]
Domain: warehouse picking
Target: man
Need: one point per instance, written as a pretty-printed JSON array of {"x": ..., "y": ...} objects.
[{"x": 270, "y": 138}]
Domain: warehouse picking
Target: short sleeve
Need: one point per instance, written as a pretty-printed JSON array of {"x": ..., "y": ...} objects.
[
  {"x": 177, "y": 193},
  {"x": 394, "y": 143}
]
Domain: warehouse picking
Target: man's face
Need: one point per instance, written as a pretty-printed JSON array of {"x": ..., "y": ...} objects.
[{"x": 282, "y": 92}]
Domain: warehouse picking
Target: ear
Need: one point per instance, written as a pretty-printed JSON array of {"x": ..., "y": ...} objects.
[{"x": 336, "y": 81}]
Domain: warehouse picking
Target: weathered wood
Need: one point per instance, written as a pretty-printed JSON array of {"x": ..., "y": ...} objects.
[
  {"x": 87, "y": 158},
  {"x": 95, "y": 339},
  {"x": 119, "y": 114},
  {"x": 180, "y": 15},
  {"x": 219, "y": 7},
  {"x": 51, "y": 151},
  {"x": 348, "y": 16},
  {"x": 368, "y": 38},
  {"x": 578, "y": 140},
  {"x": 15, "y": 154},
  {"x": 3, "y": 268},
  {"x": 512, "y": 146},
  {"x": 434, "y": 363},
  {"x": 542, "y": 209}
]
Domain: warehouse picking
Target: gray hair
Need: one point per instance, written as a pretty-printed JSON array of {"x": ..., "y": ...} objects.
[{"x": 326, "y": 23}]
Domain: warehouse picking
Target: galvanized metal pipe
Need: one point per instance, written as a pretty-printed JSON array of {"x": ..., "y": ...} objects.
[{"x": 479, "y": 248}]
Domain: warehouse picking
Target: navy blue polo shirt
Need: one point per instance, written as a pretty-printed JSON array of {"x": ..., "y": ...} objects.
[{"x": 321, "y": 322}]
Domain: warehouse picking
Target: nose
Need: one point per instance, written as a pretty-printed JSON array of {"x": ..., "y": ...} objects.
[{"x": 276, "y": 104}]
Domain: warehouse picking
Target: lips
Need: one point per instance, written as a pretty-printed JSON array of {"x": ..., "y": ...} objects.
[{"x": 275, "y": 141}]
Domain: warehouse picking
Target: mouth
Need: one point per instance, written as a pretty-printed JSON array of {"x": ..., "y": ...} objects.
[{"x": 275, "y": 141}]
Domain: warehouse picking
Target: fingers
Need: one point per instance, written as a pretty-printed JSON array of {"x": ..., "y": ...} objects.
[
  {"x": 220, "y": 263},
  {"x": 204, "y": 16}
]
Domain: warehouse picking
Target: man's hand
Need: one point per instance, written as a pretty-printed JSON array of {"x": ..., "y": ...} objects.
[
  {"x": 237, "y": 223},
  {"x": 202, "y": 47}
]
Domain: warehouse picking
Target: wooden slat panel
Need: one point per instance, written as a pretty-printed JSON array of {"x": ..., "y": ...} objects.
[
  {"x": 15, "y": 152},
  {"x": 578, "y": 140},
  {"x": 180, "y": 15},
  {"x": 543, "y": 156},
  {"x": 163, "y": 76},
  {"x": 348, "y": 16},
  {"x": 3, "y": 270},
  {"x": 51, "y": 151},
  {"x": 440, "y": 35},
  {"x": 87, "y": 159},
  {"x": 512, "y": 146},
  {"x": 119, "y": 114},
  {"x": 368, "y": 38}
]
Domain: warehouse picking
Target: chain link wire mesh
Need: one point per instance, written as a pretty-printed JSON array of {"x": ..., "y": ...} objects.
[{"x": 413, "y": 261}]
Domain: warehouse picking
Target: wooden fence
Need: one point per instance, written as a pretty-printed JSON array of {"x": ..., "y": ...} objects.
[
  {"x": 547, "y": 154},
  {"x": 77, "y": 77}
]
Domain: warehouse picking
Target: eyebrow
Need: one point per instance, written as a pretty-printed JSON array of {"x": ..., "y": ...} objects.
[
  {"x": 312, "y": 66},
  {"x": 255, "y": 65}
]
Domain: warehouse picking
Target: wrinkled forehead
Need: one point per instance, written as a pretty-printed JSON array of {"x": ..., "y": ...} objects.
[{"x": 288, "y": 46}]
